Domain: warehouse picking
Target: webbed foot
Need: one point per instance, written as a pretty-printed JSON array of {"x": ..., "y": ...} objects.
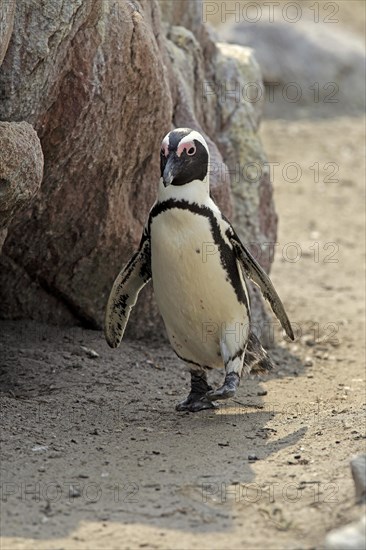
[
  {"x": 227, "y": 390},
  {"x": 195, "y": 403}
]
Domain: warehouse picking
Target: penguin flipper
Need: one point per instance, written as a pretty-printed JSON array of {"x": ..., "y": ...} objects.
[
  {"x": 255, "y": 273},
  {"x": 125, "y": 291}
]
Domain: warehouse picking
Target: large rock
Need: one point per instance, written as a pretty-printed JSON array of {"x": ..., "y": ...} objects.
[
  {"x": 102, "y": 82},
  {"x": 308, "y": 67},
  {"x": 7, "y": 10},
  {"x": 21, "y": 170},
  {"x": 82, "y": 84}
]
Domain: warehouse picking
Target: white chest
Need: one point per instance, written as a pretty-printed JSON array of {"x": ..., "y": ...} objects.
[{"x": 194, "y": 293}]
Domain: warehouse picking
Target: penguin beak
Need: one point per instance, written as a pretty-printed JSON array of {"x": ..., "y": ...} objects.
[{"x": 171, "y": 170}]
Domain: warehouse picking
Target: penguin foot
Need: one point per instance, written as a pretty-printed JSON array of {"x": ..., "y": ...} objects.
[
  {"x": 194, "y": 403},
  {"x": 197, "y": 400},
  {"x": 227, "y": 390}
]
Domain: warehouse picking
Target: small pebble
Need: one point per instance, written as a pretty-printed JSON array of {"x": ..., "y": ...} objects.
[
  {"x": 252, "y": 457},
  {"x": 74, "y": 492},
  {"x": 90, "y": 352},
  {"x": 39, "y": 448}
]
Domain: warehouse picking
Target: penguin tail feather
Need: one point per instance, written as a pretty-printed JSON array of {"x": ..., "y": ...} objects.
[
  {"x": 264, "y": 365},
  {"x": 256, "y": 359}
]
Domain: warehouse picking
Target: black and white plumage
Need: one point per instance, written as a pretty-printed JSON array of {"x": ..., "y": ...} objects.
[{"x": 198, "y": 267}]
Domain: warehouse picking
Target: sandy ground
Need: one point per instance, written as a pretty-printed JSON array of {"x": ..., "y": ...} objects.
[{"x": 94, "y": 454}]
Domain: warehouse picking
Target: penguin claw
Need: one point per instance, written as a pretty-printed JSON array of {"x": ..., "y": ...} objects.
[
  {"x": 194, "y": 405},
  {"x": 227, "y": 390}
]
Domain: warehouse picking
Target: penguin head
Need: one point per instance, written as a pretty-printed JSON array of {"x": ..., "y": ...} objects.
[{"x": 184, "y": 157}]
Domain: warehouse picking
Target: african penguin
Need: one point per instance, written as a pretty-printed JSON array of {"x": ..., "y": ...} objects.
[{"x": 198, "y": 268}]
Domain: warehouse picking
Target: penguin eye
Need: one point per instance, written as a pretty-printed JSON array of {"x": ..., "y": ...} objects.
[{"x": 191, "y": 151}]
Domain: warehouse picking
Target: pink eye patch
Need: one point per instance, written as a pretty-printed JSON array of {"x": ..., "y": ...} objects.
[
  {"x": 164, "y": 148},
  {"x": 188, "y": 146}
]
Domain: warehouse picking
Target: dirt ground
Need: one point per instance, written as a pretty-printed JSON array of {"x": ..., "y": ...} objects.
[{"x": 93, "y": 453}]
